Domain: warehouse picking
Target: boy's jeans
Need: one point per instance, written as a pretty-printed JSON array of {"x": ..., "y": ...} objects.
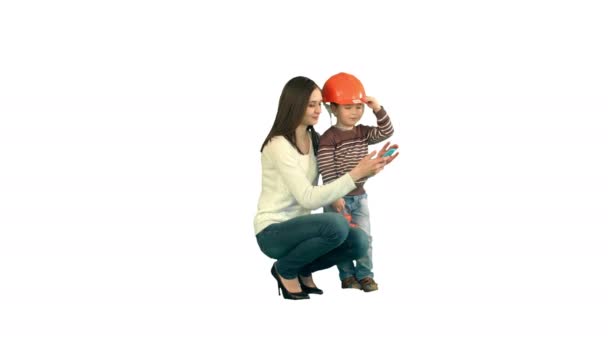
[{"x": 358, "y": 209}]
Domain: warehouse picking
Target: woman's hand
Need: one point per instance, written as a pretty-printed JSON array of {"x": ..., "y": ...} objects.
[
  {"x": 339, "y": 205},
  {"x": 367, "y": 167}
]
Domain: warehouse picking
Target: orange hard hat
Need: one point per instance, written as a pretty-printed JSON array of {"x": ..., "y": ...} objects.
[{"x": 343, "y": 88}]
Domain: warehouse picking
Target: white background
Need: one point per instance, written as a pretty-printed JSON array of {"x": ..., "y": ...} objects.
[{"x": 129, "y": 169}]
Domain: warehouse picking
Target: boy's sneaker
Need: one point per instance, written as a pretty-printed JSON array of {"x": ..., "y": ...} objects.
[
  {"x": 350, "y": 283},
  {"x": 368, "y": 284}
]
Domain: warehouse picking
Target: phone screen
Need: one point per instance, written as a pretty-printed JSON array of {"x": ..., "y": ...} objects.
[{"x": 389, "y": 152}]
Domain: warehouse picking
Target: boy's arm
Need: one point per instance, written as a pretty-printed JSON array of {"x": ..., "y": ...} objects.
[
  {"x": 384, "y": 129},
  {"x": 326, "y": 158},
  {"x": 327, "y": 165}
]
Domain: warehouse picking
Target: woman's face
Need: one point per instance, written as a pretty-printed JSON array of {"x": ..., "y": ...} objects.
[{"x": 313, "y": 110}]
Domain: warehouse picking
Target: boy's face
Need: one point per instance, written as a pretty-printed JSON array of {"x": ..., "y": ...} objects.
[
  {"x": 313, "y": 110},
  {"x": 349, "y": 114}
]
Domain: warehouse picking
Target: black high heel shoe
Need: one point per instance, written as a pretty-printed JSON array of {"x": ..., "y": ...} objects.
[
  {"x": 306, "y": 289},
  {"x": 287, "y": 294}
]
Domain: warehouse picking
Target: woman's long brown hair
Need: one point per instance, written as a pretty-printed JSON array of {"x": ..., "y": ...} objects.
[{"x": 292, "y": 107}]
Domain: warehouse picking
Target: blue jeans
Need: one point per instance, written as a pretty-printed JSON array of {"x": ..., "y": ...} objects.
[
  {"x": 357, "y": 207},
  {"x": 310, "y": 243}
]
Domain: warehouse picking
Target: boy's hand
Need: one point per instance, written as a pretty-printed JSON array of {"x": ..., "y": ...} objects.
[
  {"x": 339, "y": 205},
  {"x": 372, "y": 103},
  {"x": 385, "y": 148}
]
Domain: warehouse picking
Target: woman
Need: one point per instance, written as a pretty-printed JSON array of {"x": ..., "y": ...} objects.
[{"x": 285, "y": 229}]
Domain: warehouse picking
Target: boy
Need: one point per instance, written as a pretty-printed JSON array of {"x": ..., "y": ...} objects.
[{"x": 340, "y": 149}]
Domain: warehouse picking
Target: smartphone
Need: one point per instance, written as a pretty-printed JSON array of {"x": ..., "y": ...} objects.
[{"x": 389, "y": 152}]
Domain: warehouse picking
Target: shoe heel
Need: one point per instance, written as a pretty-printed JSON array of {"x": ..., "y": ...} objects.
[
  {"x": 309, "y": 290},
  {"x": 287, "y": 294}
]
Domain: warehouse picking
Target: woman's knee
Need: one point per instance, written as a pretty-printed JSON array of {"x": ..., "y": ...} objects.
[{"x": 336, "y": 227}]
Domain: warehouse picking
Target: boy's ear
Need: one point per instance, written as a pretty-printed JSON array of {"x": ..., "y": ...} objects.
[{"x": 334, "y": 107}]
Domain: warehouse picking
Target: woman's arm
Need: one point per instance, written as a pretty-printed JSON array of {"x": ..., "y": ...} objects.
[{"x": 285, "y": 159}]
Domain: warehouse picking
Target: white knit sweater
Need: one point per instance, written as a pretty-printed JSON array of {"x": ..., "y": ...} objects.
[{"x": 289, "y": 184}]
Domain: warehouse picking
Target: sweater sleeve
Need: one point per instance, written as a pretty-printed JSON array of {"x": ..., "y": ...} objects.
[
  {"x": 384, "y": 129},
  {"x": 327, "y": 158},
  {"x": 285, "y": 159}
]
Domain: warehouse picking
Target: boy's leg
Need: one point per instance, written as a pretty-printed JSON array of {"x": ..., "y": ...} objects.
[
  {"x": 346, "y": 269},
  {"x": 360, "y": 215}
]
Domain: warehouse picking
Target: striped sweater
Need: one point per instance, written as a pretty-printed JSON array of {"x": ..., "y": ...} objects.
[{"x": 341, "y": 150}]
